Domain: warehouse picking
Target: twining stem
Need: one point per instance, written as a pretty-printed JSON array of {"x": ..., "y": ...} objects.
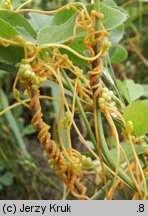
[
  {"x": 116, "y": 138},
  {"x": 44, "y": 46},
  {"x": 95, "y": 96},
  {"x": 110, "y": 161},
  {"x": 81, "y": 110},
  {"x": 103, "y": 144},
  {"x": 104, "y": 148}
]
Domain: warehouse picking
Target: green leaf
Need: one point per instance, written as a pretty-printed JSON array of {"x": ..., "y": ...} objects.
[
  {"x": 122, "y": 87},
  {"x": 135, "y": 91},
  {"x": 119, "y": 54},
  {"x": 128, "y": 150},
  {"x": 113, "y": 16},
  {"x": 11, "y": 54},
  {"x": 110, "y": 3},
  {"x": 61, "y": 28},
  {"x": 130, "y": 90},
  {"x": 6, "y": 179},
  {"x": 8, "y": 68},
  {"x": 25, "y": 35},
  {"x": 57, "y": 34},
  {"x": 6, "y": 30},
  {"x": 40, "y": 21},
  {"x": 13, "y": 124},
  {"x": 137, "y": 112},
  {"x": 17, "y": 20},
  {"x": 145, "y": 87},
  {"x": 116, "y": 34},
  {"x": 62, "y": 17}
]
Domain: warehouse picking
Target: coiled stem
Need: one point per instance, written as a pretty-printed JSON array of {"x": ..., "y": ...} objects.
[{"x": 63, "y": 168}]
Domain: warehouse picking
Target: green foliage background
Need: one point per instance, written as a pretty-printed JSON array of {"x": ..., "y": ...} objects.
[{"x": 24, "y": 173}]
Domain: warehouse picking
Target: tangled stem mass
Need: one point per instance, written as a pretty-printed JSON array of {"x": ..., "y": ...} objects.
[{"x": 68, "y": 163}]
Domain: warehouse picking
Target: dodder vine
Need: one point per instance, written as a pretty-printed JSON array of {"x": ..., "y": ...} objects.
[{"x": 47, "y": 62}]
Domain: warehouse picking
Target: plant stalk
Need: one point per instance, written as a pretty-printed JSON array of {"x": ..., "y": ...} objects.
[
  {"x": 103, "y": 144},
  {"x": 81, "y": 110}
]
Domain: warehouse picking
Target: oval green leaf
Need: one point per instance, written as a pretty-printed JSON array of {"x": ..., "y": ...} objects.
[
  {"x": 57, "y": 34},
  {"x": 128, "y": 150},
  {"x": 137, "y": 112},
  {"x": 17, "y": 20},
  {"x": 6, "y": 30},
  {"x": 119, "y": 54}
]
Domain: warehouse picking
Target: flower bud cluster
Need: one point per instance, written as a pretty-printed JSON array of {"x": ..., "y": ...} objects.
[
  {"x": 81, "y": 163},
  {"x": 25, "y": 73},
  {"x": 138, "y": 140},
  {"x": 77, "y": 163},
  {"x": 106, "y": 96},
  {"x": 130, "y": 126},
  {"x": 84, "y": 163},
  {"x": 6, "y": 4},
  {"x": 66, "y": 121},
  {"x": 105, "y": 45}
]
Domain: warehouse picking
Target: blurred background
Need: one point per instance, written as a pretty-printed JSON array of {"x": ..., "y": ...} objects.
[{"x": 24, "y": 171}]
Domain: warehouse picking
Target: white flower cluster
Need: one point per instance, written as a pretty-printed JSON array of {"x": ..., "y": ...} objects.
[
  {"x": 129, "y": 126},
  {"x": 84, "y": 163},
  {"x": 106, "y": 96},
  {"x": 25, "y": 73},
  {"x": 78, "y": 163}
]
